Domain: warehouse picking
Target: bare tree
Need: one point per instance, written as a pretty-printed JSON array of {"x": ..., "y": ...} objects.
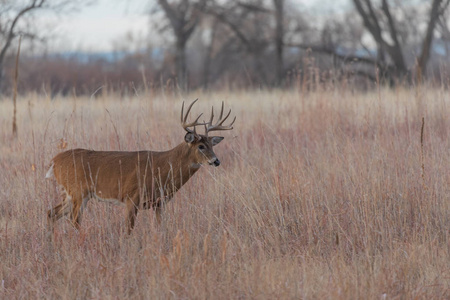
[
  {"x": 10, "y": 16},
  {"x": 381, "y": 23},
  {"x": 183, "y": 16},
  {"x": 437, "y": 10},
  {"x": 249, "y": 24},
  {"x": 14, "y": 16},
  {"x": 392, "y": 32},
  {"x": 372, "y": 23}
]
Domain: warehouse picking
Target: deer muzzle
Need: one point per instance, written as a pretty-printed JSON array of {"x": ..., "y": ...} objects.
[{"x": 215, "y": 162}]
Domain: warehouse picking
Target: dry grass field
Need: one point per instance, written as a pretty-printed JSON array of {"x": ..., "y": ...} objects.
[{"x": 320, "y": 195}]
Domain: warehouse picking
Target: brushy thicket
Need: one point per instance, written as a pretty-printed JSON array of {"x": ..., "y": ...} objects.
[{"x": 319, "y": 195}]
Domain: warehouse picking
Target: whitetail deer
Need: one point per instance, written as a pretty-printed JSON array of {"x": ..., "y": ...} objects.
[{"x": 141, "y": 179}]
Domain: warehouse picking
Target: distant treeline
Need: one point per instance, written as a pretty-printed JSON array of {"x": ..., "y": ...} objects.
[{"x": 257, "y": 44}]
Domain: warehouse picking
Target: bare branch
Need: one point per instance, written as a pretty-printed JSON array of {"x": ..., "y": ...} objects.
[
  {"x": 34, "y": 5},
  {"x": 392, "y": 27}
]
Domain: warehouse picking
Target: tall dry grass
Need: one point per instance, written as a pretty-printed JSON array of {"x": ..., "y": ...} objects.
[{"x": 319, "y": 196}]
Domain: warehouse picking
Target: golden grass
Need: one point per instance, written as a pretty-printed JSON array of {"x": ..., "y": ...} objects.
[{"x": 319, "y": 196}]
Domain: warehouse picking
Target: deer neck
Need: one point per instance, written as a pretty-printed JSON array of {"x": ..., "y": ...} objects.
[{"x": 180, "y": 166}]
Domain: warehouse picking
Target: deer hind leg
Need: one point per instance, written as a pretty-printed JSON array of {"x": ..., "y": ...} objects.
[
  {"x": 158, "y": 207},
  {"x": 132, "y": 210},
  {"x": 158, "y": 212}
]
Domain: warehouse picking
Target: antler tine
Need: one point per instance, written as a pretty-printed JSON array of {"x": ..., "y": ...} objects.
[
  {"x": 182, "y": 108},
  {"x": 185, "y": 116},
  {"x": 188, "y": 110},
  {"x": 192, "y": 124},
  {"x": 195, "y": 123},
  {"x": 220, "y": 121},
  {"x": 212, "y": 116},
  {"x": 221, "y": 112},
  {"x": 231, "y": 124}
]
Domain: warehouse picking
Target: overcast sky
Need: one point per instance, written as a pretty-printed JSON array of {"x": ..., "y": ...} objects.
[{"x": 99, "y": 27}]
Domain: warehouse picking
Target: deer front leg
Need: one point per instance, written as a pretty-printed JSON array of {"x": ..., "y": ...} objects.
[
  {"x": 158, "y": 212},
  {"x": 132, "y": 210},
  {"x": 62, "y": 209},
  {"x": 78, "y": 205},
  {"x": 158, "y": 207}
]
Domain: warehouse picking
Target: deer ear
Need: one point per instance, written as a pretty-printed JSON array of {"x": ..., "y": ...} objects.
[
  {"x": 216, "y": 139},
  {"x": 189, "y": 138}
]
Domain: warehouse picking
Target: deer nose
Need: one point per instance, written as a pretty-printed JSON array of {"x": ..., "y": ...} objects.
[{"x": 217, "y": 162}]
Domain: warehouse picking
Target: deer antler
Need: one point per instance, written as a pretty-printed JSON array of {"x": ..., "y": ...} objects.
[
  {"x": 184, "y": 119},
  {"x": 218, "y": 126}
]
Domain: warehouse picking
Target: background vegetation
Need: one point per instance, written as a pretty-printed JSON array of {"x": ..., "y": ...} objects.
[
  {"x": 320, "y": 195},
  {"x": 211, "y": 45}
]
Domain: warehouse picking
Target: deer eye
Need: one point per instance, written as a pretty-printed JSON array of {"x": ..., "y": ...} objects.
[{"x": 201, "y": 147}]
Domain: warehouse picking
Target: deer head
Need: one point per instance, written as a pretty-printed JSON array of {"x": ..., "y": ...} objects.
[{"x": 202, "y": 145}]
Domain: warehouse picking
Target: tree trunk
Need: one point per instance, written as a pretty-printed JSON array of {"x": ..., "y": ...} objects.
[
  {"x": 2, "y": 75},
  {"x": 183, "y": 26},
  {"x": 279, "y": 34},
  {"x": 427, "y": 41},
  {"x": 180, "y": 62},
  {"x": 398, "y": 59},
  {"x": 207, "y": 62}
]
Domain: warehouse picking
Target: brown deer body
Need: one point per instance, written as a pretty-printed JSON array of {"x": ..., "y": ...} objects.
[{"x": 141, "y": 179}]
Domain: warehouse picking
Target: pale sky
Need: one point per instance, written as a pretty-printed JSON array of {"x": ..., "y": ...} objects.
[
  {"x": 100, "y": 26},
  {"x": 97, "y": 27}
]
